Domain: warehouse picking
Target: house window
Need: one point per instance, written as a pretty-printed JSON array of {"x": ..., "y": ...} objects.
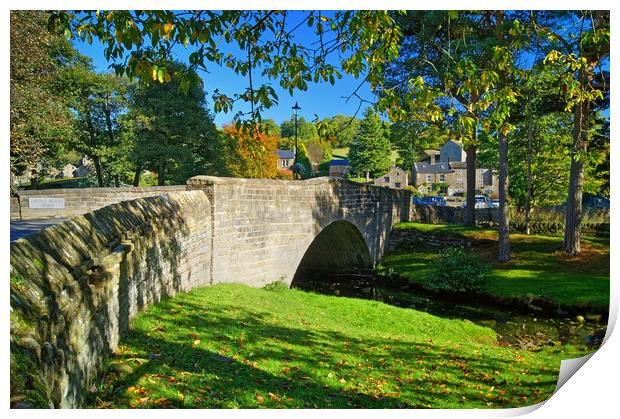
[
  {"x": 397, "y": 185},
  {"x": 429, "y": 189},
  {"x": 387, "y": 179},
  {"x": 284, "y": 163},
  {"x": 459, "y": 171},
  {"x": 442, "y": 178},
  {"x": 459, "y": 180},
  {"x": 429, "y": 178}
]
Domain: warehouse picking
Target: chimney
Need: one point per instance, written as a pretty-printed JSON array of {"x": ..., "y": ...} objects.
[{"x": 432, "y": 158}]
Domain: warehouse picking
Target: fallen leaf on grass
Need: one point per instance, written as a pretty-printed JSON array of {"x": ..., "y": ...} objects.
[
  {"x": 260, "y": 399},
  {"x": 275, "y": 397},
  {"x": 162, "y": 402}
]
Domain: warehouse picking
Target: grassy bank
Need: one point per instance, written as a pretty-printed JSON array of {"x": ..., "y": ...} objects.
[
  {"x": 233, "y": 346},
  {"x": 538, "y": 267}
]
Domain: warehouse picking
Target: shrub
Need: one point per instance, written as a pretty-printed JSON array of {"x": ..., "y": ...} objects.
[
  {"x": 413, "y": 190},
  {"x": 454, "y": 270},
  {"x": 284, "y": 174},
  {"x": 276, "y": 286}
]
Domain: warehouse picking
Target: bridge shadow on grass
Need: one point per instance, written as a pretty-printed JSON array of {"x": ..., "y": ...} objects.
[{"x": 223, "y": 356}]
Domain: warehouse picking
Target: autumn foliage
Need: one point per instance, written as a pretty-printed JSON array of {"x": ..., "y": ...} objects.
[{"x": 251, "y": 153}]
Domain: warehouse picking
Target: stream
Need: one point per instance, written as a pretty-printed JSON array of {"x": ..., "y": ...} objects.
[{"x": 513, "y": 327}]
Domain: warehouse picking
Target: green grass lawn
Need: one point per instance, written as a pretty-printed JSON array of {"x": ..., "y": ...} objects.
[
  {"x": 343, "y": 153},
  {"x": 359, "y": 180},
  {"x": 231, "y": 346},
  {"x": 340, "y": 153},
  {"x": 538, "y": 267}
]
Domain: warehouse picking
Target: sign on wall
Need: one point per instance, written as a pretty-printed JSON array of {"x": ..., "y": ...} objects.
[{"x": 46, "y": 202}]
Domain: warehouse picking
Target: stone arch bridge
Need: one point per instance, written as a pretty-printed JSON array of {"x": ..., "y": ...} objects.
[{"x": 76, "y": 286}]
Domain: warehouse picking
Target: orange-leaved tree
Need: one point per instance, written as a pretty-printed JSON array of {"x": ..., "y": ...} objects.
[{"x": 251, "y": 153}]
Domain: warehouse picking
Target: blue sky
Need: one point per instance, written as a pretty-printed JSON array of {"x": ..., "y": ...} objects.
[{"x": 320, "y": 99}]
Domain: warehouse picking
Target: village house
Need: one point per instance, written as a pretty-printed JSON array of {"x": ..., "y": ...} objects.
[
  {"x": 395, "y": 178},
  {"x": 449, "y": 175},
  {"x": 66, "y": 172},
  {"x": 337, "y": 168},
  {"x": 286, "y": 158}
]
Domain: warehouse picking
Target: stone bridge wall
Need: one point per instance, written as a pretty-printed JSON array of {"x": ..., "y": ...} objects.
[
  {"x": 78, "y": 201},
  {"x": 76, "y": 286},
  {"x": 262, "y": 228}
]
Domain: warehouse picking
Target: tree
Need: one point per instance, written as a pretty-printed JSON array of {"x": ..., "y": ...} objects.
[
  {"x": 579, "y": 62},
  {"x": 40, "y": 120},
  {"x": 270, "y": 127},
  {"x": 251, "y": 154},
  {"x": 411, "y": 136},
  {"x": 140, "y": 42},
  {"x": 169, "y": 127},
  {"x": 306, "y": 131},
  {"x": 302, "y": 169},
  {"x": 97, "y": 101},
  {"x": 370, "y": 150},
  {"x": 443, "y": 73},
  {"x": 338, "y": 130}
]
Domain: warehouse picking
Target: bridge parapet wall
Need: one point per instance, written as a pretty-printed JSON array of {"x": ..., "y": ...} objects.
[
  {"x": 76, "y": 286},
  {"x": 78, "y": 201}
]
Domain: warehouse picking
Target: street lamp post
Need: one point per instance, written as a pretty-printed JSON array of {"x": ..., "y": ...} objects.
[{"x": 295, "y": 109}]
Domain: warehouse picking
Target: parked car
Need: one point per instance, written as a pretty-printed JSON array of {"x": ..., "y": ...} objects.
[
  {"x": 434, "y": 200},
  {"x": 417, "y": 200},
  {"x": 495, "y": 203},
  {"x": 482, "y": 201}
]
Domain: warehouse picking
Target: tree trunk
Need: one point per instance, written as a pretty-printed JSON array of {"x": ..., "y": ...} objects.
[
  {"x": 117, "y": 181},
  {"x": 504, "y": 220},
  {"x": 572, "y": 228},
  {"x": 136, "y": 176},
  {"x": 107, "y": 111},
  {"x": 96, "y": 160},
  {"x": 528, "y": 199},
  {"x": 98, "y": 170},
  {"x": 34, "y": 179},
  {"x": 470, "y": 209},
  {"x": 161, "y": 175},
  {"x": 504, "y": 226}
]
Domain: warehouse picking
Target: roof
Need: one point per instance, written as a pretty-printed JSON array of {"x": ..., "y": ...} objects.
[
  {"x": 423, "y": 167},
  {"x": 432, "y": 152},
  {"x": 286, "y": 154},
  {"x": 392, "y": 170},
  {"x": 453, "y": 141},
  {"x": 339, "y": 163},
  {"x": 458, "y": 165}
]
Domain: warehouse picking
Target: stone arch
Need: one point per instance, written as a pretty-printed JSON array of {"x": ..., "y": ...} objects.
[{"x": 339, "y": 248}]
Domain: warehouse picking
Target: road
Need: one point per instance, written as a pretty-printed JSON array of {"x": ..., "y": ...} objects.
[{"x": 21, "y": 229}]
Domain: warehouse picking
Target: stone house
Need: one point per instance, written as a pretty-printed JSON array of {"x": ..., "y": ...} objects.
[
  {"x": 286, "y": 158},
  {"x": 452, "y": 151},
  {"x": 450, "y": 173},
  {"x": 337, "y": 168},
  {"x": 68, "y": 171},
  {"x": 395, "y": 178}
]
